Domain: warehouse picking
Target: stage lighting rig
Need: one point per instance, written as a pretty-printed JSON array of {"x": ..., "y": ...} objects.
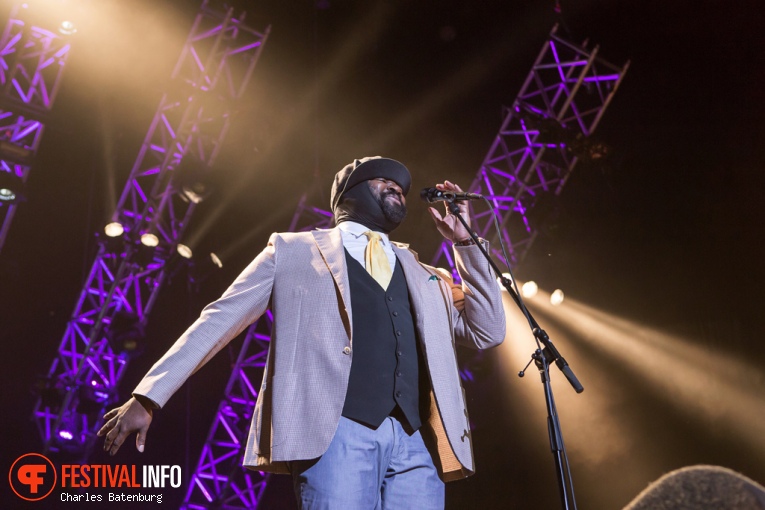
[
  {"x": 114, "y": 229},
  {"x": 11, "y": 188},
  {"x": 125, "y": 334},
  {"x": 184, "y": 251},
  {"x": 191, "y": 179},
  {"x": 149, "y": 239}
]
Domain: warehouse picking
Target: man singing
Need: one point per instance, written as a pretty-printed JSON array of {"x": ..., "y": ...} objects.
[{"x": 361, "y": 400}]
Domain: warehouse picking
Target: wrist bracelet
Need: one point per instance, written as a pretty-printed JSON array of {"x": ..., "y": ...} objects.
[{"x": 467, "y": 242}]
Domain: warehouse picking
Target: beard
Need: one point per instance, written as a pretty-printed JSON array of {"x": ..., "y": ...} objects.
[
  {"x": 394, "y": 212},
  {"x": 370, "y": 208}
]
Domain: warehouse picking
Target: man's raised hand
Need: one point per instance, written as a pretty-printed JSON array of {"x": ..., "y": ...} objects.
[{"x": 448, "y": 225}]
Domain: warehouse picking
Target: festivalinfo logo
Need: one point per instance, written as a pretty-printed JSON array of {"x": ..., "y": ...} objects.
[{"x": 33, "y": 478}]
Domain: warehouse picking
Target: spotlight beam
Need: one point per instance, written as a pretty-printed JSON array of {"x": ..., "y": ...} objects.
[{"x": 703, "y": 383}]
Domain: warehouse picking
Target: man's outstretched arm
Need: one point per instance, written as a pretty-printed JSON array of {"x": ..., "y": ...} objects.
[{"x": 242, "y": 303}]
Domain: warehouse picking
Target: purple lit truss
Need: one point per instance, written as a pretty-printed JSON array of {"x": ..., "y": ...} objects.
[
  {"x": 219, "y": 480},
  {"x": 190, "y": 124},
  {"x": 32, "y": 62},
  {"x": 542, "y": 136}
]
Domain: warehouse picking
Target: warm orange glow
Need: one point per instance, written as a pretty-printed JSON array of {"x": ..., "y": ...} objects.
[
  {"x": 706, "y": 383},
  {"x": 604, "y": 427}
]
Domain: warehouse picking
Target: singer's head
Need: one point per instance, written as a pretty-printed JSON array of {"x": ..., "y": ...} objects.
[{"x": 371, "y": 191}]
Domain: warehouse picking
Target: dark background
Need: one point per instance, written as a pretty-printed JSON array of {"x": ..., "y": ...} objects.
[{"x": 665, "y": 234}]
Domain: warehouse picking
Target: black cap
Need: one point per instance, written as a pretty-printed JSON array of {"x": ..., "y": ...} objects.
[{"x": 369, "y": 168}]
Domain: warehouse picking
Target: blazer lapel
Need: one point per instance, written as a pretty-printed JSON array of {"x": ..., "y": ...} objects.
[
  {"x": 414, "y": 273},
  {"x": 330, "y": 244}
]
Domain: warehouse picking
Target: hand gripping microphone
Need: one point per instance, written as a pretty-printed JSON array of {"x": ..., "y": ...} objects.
[{"x": 432, "y": 195}]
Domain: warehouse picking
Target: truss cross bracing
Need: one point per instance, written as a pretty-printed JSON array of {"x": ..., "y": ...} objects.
[
  {"x": 219, "y": 480},
  {"x": 190, "y": 124},
  {"x": 541, "y": 138},
  {"x": 32, "y": 62}
]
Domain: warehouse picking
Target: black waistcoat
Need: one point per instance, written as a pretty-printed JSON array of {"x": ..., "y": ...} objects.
[{"x": 386, "y": 369}]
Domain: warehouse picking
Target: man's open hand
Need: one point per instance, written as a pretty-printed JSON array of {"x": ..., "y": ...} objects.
[
  {"x": 122, "y": 421},
  {"x": 449, "y": 226}
]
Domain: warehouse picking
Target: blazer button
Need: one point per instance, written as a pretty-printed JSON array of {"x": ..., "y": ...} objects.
[{"x": 346, "y": 350}]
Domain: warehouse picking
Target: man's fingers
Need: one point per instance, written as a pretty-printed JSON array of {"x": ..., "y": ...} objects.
[
  {"x": 116, "y": 442},
  {"x": 435, "y": 214},
  {"x": 111, "y": 414},
  {"x": 140, "y": 439},
  {"x": 109, "y": 425},
  {"x": 111, "y": 435}
]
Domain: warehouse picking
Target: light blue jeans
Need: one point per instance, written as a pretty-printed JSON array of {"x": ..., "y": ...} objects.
[{"x": 366, "y": 469}]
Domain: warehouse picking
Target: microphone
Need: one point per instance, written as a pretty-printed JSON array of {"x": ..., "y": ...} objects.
[{"x": 431, "y": 195}]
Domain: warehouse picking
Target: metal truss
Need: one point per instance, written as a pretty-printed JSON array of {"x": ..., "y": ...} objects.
[
  {"x": 543, "y": 135},
  {"x": 32, "y": 62},
  {"x": 219, "y": 480},
  {"x": 162, "y": 191}
]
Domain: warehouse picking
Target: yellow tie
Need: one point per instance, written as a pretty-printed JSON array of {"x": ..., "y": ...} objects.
[{"x": 376, "y": 260}]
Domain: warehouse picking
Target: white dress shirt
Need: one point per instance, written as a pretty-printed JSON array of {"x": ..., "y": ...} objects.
[{"x": 356, "y": 242}]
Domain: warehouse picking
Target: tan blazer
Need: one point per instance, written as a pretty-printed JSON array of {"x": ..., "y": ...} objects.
[{"x": 303, "y": 278}]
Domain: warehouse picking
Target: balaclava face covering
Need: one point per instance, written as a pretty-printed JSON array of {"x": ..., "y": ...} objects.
[{"x": 352, "y": 200}]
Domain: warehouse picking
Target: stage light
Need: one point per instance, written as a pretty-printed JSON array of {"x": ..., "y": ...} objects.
[
  {"x": 114, "y": 229},
  {"x": 149, "y": 240},
  {"x": 65, "y": 435},
  {"x": 195, "y": 193},
  {"x": 184, "y": 251},
  {"x": 529, "y": 289},
  {"x": 67, "y": 28},
  {"x": 556, "y": 298},
  {"x": 125, "y": 334},
  {"x": 216, "y": 261},
  {"x": 11, "y": 187},
  {"x": 192, "y": 179}
]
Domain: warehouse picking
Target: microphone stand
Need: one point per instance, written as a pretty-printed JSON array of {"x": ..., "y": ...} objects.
[{"x": 542, "y": 358}]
